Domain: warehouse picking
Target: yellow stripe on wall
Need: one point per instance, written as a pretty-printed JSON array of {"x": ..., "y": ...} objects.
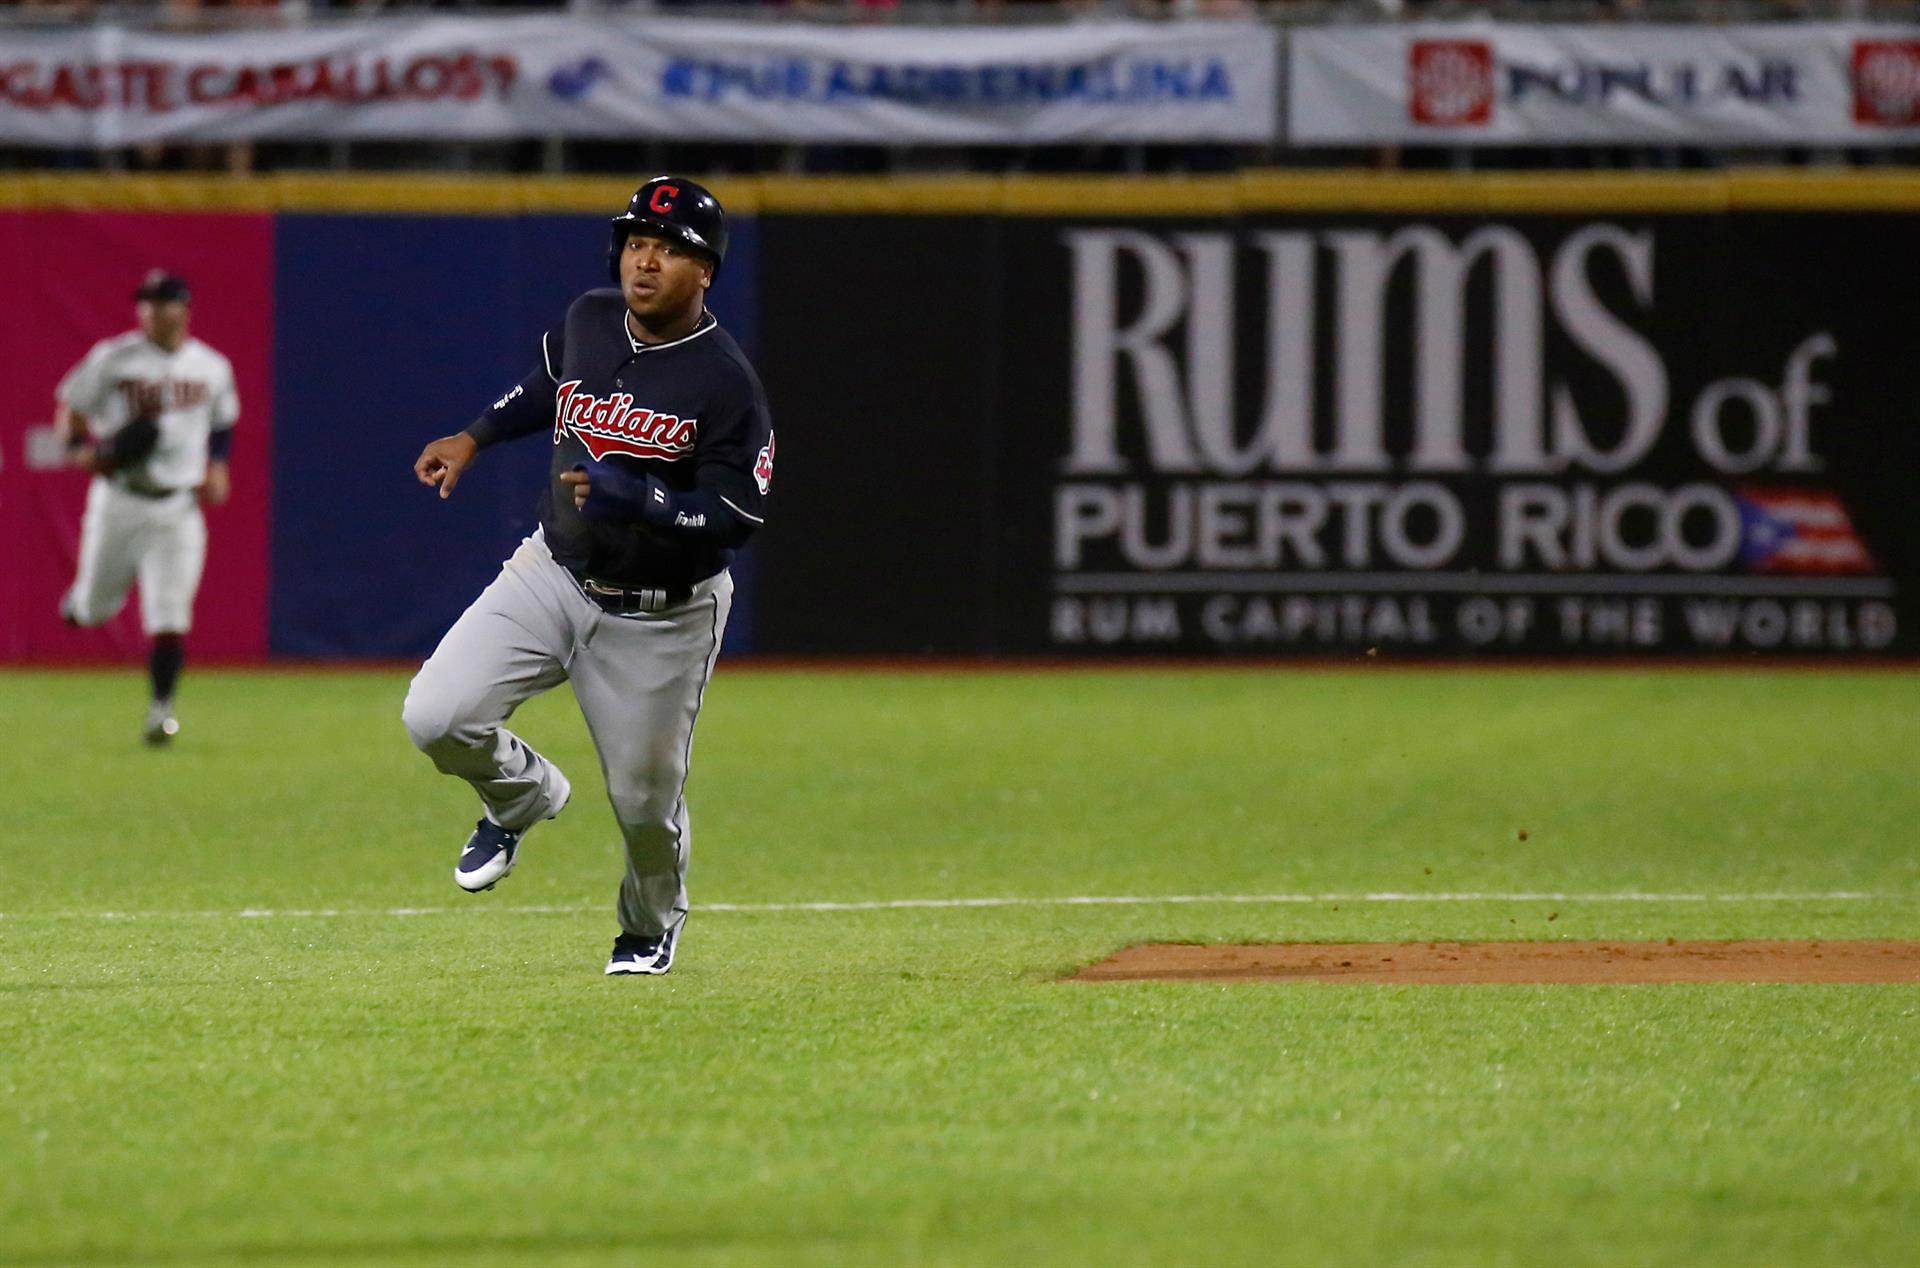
[{"x": 1758, "y": 189}]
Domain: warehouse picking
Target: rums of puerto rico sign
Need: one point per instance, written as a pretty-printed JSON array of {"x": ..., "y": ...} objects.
[
  {"x": 480, "y": 78},
  {"x": 1497, "y": 83},
  {"x": 1545, "y": 434}
]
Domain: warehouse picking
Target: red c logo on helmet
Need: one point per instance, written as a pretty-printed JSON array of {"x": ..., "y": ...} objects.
[{"x": 663, "y": 196}]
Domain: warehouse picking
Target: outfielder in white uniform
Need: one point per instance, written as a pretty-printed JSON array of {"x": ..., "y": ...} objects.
[{"x": 151, "y": 414}]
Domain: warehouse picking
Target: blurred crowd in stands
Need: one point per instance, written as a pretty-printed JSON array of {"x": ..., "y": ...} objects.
[
  {"x": 189, "y": 8},
  {"x": 193, "y": 11}
]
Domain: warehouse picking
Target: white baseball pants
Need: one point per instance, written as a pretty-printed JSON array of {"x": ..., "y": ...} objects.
[{"x": 161, "y": 542}]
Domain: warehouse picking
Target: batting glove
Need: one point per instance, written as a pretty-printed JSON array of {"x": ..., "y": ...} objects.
[{"x": 616, "y": 493}]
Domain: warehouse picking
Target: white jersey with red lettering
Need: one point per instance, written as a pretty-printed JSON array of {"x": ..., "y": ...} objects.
[
  {"x": 143, "y": 522},
  {"x": 191, "y": 387}
]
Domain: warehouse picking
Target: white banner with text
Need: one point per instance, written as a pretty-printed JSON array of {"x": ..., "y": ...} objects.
[
  {"x": 1490, "y": 83},
  {"x": 488, "y": 78}
]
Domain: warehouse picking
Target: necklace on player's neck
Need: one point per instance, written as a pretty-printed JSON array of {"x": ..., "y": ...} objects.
[{"x": 636, "y": 330}]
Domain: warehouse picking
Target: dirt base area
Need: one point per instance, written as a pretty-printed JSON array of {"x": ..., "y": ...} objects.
[{"x": 1514, "y": 962}]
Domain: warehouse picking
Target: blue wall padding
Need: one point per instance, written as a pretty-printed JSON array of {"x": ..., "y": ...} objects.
[{"x": 391, "y": 330}]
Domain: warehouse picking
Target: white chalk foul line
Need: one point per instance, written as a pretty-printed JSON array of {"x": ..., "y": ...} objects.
[
  {"x": 912, "y": 904},
  {"x": 1149, "y": 900}
]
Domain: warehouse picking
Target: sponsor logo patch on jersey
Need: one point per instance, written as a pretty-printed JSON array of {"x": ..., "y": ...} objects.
[
  {"x": 614, "y": 424},
  {"x": 763, "y": 467}
]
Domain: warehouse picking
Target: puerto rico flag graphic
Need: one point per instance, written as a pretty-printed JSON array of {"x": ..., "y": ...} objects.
[{"x": 1798, "y": 530}]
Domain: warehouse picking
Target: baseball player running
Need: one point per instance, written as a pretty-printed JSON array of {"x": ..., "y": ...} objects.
[
  {"x": 151, "y": 414},
  {"x": 662, "y": 461}
]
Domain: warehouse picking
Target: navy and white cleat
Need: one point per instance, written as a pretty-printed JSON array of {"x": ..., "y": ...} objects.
[
  {"x": 489, "y": 852},
  {"x": 635, "y": 954},
  {"x": 487, "y": 858}
]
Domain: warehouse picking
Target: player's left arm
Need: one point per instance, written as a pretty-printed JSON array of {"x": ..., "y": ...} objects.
[
  {"x": 733, "y": 477},
  {"x": 218, "y": 485}
]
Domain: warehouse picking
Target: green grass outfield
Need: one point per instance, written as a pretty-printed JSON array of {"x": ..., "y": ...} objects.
[{"x": 387, "y": 1071}]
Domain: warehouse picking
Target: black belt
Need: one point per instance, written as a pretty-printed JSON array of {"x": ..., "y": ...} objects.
[
  {"x": 630, "y": 600},
  {"x": 152, "y": 492}
]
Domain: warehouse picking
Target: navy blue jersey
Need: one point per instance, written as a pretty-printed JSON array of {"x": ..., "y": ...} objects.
[{"x": 691, "y": 412}]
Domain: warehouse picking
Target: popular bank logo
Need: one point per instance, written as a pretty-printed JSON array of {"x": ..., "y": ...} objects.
[
  {"x": 1450, "y": 82},
  {"x": 1457, "y": 83},
  {"x": 1886, "y": 83}
]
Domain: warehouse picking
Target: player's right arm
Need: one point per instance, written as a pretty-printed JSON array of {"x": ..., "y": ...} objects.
[
  {"x": 74, "y": 429},
  {"x": 79, "y": 395},
  {"x": 441, "y": 462},
  {"x": 525, "y": 409},
  {"x": 71, "y": 424}
]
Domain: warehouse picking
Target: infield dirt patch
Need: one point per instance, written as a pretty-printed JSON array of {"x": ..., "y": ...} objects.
[{"x": 1514, "y": 962}]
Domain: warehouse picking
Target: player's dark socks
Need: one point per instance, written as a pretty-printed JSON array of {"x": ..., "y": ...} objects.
[{"x": 163, "y": 664}]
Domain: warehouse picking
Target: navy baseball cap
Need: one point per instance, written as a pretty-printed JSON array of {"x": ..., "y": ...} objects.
[{"x": 162, "y": 285}]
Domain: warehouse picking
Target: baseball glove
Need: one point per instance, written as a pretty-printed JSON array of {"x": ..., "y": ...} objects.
[{"x": 132, "y": 445}]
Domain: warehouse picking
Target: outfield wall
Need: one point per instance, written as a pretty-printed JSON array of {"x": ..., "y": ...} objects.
[
  {"x": 363, "y": 318},
  {"x": 1247, "y": 415}
]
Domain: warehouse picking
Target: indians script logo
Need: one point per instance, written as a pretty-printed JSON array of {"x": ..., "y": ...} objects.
[
  {"x": 1450, "y": 82},
  {"x": 614, "y": 424},
  {"x": 1886, "y": 83}
]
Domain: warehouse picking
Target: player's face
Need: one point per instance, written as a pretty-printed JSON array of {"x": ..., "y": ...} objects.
[
  {"x": 163, "y": 320},
  {"x": 661, "y": 279}
]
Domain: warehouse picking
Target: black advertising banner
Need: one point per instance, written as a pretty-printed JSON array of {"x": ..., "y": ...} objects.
[
  {"x": 877, "y": 347},
  {"x": 1418, "y": 434}
]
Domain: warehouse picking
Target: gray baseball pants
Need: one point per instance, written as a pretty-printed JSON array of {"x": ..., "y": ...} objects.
[{"x": 639, "y": 681}]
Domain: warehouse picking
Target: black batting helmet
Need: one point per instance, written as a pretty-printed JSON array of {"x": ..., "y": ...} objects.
[{"x": 673, "y": 208}]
